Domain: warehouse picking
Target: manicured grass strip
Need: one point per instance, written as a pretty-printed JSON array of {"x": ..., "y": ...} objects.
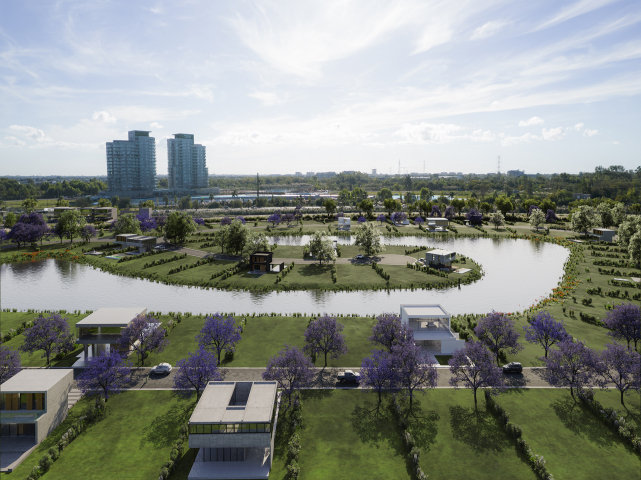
[{"x": 574, "y": 442}]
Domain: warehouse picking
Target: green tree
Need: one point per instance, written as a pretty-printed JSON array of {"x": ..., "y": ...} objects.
[
  {"x": 29, "y": 204},
  {"x": 424, "y": 208},
  {"x": 426, "y": 194},
  {"x": 618, "y": 214},
  {"x": 547, "y": 204},
  {"x": 485, "y": 207},
  {"x": 344, "y": 196},
  {"x": 165, "y": 199},
  {"x": 236, "y": 238},
  {"x": 391, "y": 205},
  {"x": 635, "y": 208},
  {"x": 628, "y": 228},
  {"x": 148, "y": 204},
  {"x": 124, "y": 202},
  {"x": 369, "y": 238},
  {"x": 537, "y": 218},
  {"x": 583, "y": 219},
  {"x": 185, "y": 203},
  {"x": 604, "y": 212},
  {"x": 358, "y": 194},
  {"x": 127, "y": 223},
  {"x": 504, "y": 204},
  {"x": 10, "y": 220},
  {"x": 458, "y": 204},
  {"x": 71, "y": 222},
  {"x": 178, "y": 227},
  {"x": 330, "y": 206},
  {"x": 471, "y": 202},
  {"x": 103, "y": 202},
  {"x": 634, "y": 249},
  {"x": 384, "y": 194},
  {"x": 114, "y": 201},
  {"x": 62, "y": 202},
  {"x": 366, "y": 206},
  {"x": 321, "y": 247},
  {"x": 256, "y": 242},
  {"x": 497, "y": 219}
]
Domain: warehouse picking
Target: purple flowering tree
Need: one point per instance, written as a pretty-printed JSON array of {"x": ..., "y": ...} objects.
[
  {"x": 378, "y": 372},
  {"x": 389, "y": 331},
  {"x": 50, "y": 334},
  {"x": 381, "y": 218},
  {"x": 106, "y": 375},
  {"x": 288, "y": 218},
  {"x": 624, "y": 322},
  {"x": 161, "y": 220},
  {"x": 199, "y": 221},
  {"x": 571, "y": 365},
  {"x": 323, "y": 336},
  {"x": 398, "y": 217},
  {"x": 225, "y": 221},
  {"x": 194, "y": 372},
  {"x": 498, "y": 333},
  {"x": 619, "y": 366},
  {"x": 219, "y": 334},
  {"x": 88, "y": 232},
  {"x": 419, "y": 221},
  {"x": 413, "y": 369},
  {"x": 239, "y": 217},
  {"x": 274, "y": 219},
  {"x": 532, "y": 208},
  {"x": 143, "y": 335},
  {"x": 291, "y": 369},
  {"x": 450, "y": 212},
  {"x": 474, "y": 216},
  {"x": 473, "y": 367},
  {"x": 339, "y": 214},
  {"x": 436, "y": 211},
  {"x": 147, "y": 223},
  {"x": 550, "y": 216},
  {"x": 28, "y": 229},
  {"x": 9, "y": 363},
  {"x": 361, "y": 219},
  {"x": 545, "y": 331}
]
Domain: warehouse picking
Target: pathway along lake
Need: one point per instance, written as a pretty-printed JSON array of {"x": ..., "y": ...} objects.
[{"x": 517, "y": 274}]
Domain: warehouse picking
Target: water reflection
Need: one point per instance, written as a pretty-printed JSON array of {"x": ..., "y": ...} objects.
[{"x": 517, "y": 273}]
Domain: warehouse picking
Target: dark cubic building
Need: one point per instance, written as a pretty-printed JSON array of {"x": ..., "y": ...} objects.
[{"x": 131, "y": 164}]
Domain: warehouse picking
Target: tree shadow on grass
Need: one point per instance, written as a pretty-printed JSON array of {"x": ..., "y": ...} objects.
[
  {"x": 479, "y": 430},
  {"x": 373, "y": 422},
  {"x": 423, "y": 425},
  {"x": 164, "y": 429},
  {"x": 583, "y": 423},
  {"x": 314, "y": 270}
]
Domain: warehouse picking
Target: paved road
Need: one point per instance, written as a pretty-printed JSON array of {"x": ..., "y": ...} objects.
[{"x": 390, "y": 259}]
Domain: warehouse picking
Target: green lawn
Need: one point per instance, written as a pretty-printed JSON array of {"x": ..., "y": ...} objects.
[
  {"x": 574, "y": 442},
  {"x": 131, "y": 442}
]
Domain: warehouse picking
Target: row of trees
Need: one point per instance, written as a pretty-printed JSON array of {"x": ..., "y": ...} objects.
[{"x": 32, "y": 228}]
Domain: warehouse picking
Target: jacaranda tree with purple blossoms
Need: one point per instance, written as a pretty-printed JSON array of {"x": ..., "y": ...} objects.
[
  {"x": 361, "y": 219},
  {"x": 161, "y": 220},
  {"x": 620, "y": 366},
  {"x": 9, "y": 363},
  {"x": 550, "y": 216},
  {"x": 378, "y": 372},
  {"x": 274, "y": 219},
  {"x": 291, "y": 369},
  {"x": 532, "y": 208},
  {"x": 419, "y": 221},
  {"x": 143, "y": 335},
  {"x": 29, "y": 229},
  {"x": 381, "y": 218},
  {"x": 147, "y": 223},
  {"x": 199, "y": 221},
  {"x": 450, "y": 212},
  {"x": 389, "y": 330},
  {"x": 624, "y": 322},
  {"x": 474, "y": 216},
  {"x": 436, "y": 211},
  {"x": 398, "y": 217},
  {"x": 571, "y": 365},
  {"x": 323, "y": 336},
  {"x": 473, "y": 367},
  {"x": 498, "y": 333},
  {"x": 413, "y": 369},
  {"x": 49, "y": 334},
  {"x": 88, "y": 232},
  {"x": 219, "y": 334},
  {"x": 195, "y": 372},
  {"x": 106, "y": 375},
  {"x": 545, "y": 331},
  {"x": 241, "y": 218},
  {"x": 225, "y": 221}
]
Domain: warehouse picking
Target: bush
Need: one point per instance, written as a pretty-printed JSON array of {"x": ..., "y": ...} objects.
[
  {"x": 45, "y": 462},
  {"x": 293, "y": 470},
  {"x": 53, "y": 453}
]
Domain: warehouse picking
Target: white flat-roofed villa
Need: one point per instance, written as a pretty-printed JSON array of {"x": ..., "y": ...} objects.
[
  {"x": 440, "y": 258},
  {"x": 233, "y": 427},
  {"x": 431, "y": 325},
  {"x": 141, "y": 242},
  {"x": 101, "y": 331},
  {"x": 344, "y": 223},
  {"x": 437, "y": 224}
]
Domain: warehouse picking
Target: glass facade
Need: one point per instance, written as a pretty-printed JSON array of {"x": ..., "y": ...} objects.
[
  {"x": 230, "y": 428},
  {"x": 22, "y": 401},
  {"x": 18, "y": 430}
]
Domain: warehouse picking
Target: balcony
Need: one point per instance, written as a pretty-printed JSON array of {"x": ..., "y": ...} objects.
[{"x": 98, "y": 338}]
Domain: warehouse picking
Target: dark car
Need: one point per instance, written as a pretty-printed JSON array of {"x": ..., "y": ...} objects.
[
  {"x": 348, "y": 376},
  {"x": 513, "y": 367}
]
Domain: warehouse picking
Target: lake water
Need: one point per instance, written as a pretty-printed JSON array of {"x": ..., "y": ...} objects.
[{"x": 517, "y": 273}]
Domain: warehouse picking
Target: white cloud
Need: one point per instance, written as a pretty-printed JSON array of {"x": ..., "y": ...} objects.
[
  {"x": 15, "y": 141},
  {"x": 103, "y": 117},
  {"x": 553, "y": 133},
  {"x": 528, "y": 137},
  {"x": 531, "y": 121},
  {"x": 590, "y": 133},
  {"x": 268, "y": 98},
  {"x": 156, "y": 125},
  {"x": 574, "y": 10},
  {"x": 482, "y": 136},
  {"x": 579, "y": 126},
  {"x": 487, "y": 30},
  {"x": 31, "y": 133},
  {"x": 616, "y": 143},
  {"x": 427, "y": 133}
]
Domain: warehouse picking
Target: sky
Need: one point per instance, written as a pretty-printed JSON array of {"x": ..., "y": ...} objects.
[{"x": 285, "y": 86}]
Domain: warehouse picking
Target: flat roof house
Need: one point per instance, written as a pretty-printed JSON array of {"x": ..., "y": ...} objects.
[
  {"x": 92, "y": 214},
  {"x": 233, "y": 427},
  {"x": 437, "y": 224},
  {"x": 262, "y": 262},
  {"x": 101, "y": 331},
  {"x": 32, "y": 404},
  {"x": 431, "y": 325},
  {"x": 142, "y": 242},
  {"x": 440, "y": 258},
  {"x": 603, "y": 234},
  {"x": 344, "y": 223}
]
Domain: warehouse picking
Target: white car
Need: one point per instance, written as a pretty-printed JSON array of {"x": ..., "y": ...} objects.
[
  {"x": 359, "y": 257},
  {"x": 159, "y": 247},
  {"x": 161, "y": 369}
]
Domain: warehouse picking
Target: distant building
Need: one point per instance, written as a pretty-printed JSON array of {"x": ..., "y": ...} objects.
[
  {"x": 187, "y": 165},
  {"x": 298, "y": 174},
  {"x": 515, "y": 173},
  {"x": 581, "y": 196},
  {"x": 373, "y": 171},
  {"x": 131, "y": 164},
  {"x": 325, "y": 174},
  {"x": 309, "y": 174}
]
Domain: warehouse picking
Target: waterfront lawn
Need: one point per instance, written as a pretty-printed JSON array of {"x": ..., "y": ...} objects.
[
  {"x": 358, "y": 275},
  {"x": 309, "y": 276},
  {"x": 202, "y": 273},
  {"x": 574, "y": 442},
  {"x": 132, "y": 441},
  {"x": 458, "y": 443},
  {"x": 344, "y": 437}
]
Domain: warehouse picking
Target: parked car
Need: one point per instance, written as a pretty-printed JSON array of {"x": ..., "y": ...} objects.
[
  {"x": 359, "y": 257},
  {"x": 348, "y": 376},
  {"x": 159, "y": 247},
  {"x": 161, "y": 369},
  {"x": 421, "y": 260},
  {"x": 513, "y": 367}
]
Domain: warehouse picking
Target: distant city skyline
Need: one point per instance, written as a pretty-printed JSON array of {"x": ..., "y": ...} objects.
[{"x": 285, "y": 87}]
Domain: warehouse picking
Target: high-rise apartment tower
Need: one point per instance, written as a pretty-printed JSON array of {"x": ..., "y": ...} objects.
[
  {"x": 131, "y": 164},
  {"x": 187, "y": 162}
]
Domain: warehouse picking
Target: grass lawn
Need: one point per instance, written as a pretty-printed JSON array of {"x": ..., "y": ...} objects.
[
  {"x": 131, "y": 442},
  {"x": 574, "y": 442}
]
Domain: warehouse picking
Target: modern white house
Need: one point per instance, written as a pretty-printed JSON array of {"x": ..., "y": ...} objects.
[
  {"x": 440, "y": 258},
  {"x": 101, "y": 331},
  {"x": 431, "y": 325},
  {"x": 141, "y": 242},
  {"x": 344, "y": 223},
  {"x": 233, "y": 427},
  {"x": 603, "y": 234},
  {"x": 437, "y": 224},
  {"x": 32, "y": 404}
]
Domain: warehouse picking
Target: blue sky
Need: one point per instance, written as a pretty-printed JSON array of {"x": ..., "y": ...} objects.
[{"x": 278, "y": 87}]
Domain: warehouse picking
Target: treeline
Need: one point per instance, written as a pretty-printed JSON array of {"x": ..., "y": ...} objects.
[{"x": 11, "y": 189}]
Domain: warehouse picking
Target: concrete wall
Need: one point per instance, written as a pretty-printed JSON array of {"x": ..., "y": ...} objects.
[
  {"x": 229, "y": 440},
  {"x": 57, "y": 399},
  {"x": 448, "y": 346}
]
